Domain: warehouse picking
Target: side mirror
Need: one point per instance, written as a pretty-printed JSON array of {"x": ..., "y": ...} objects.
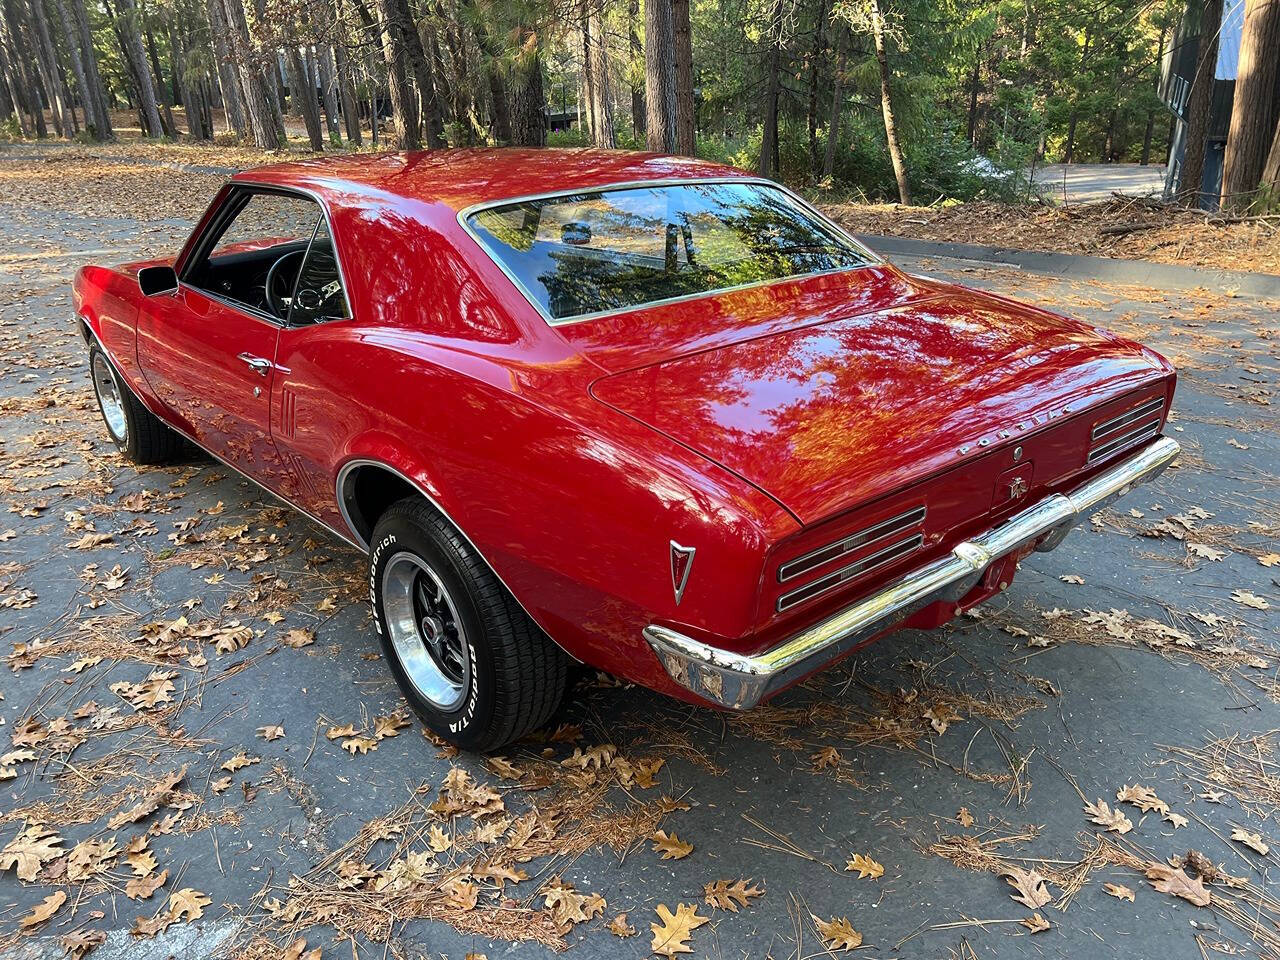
[{"x": 157, "y": 280}]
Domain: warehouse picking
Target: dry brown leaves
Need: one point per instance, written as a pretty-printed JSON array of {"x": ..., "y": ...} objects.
[
  {"x": 723, "y": 895},
  {"x": 672, "y": 934},
  {"x": 1031, "y": 886},
  {"x": 1175, "y": 235},
  {"x": 838, "y": 933}
]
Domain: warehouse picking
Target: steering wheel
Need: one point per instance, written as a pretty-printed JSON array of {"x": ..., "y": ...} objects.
[{"x": 279, "y": 285}]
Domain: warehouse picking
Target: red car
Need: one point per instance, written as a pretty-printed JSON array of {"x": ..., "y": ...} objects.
[{"x": 645, "y": 412}]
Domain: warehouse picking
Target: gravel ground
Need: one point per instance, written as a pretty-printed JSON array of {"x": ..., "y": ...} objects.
[{"x": 1122, "y": 660}]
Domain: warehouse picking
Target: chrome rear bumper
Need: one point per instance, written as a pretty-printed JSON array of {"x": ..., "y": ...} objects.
[{"x": 740, "y": 682}]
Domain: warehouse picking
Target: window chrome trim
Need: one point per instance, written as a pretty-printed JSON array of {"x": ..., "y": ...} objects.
[
  {"x": 254, "y": 186},
  {"x": 873, "y": 258}
]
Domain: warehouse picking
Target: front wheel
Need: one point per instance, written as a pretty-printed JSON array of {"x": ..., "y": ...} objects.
[
  {"x": 469, "y": 660},
  {"x": 134, "y": 429}
]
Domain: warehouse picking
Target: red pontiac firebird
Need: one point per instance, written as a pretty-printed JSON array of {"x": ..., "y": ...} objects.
[{"x": 645, "y": 412}]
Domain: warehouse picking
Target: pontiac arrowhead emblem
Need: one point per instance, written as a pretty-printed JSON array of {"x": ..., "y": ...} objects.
[
  {"x": 681, "y": 564},
  {"x": 1017, "y": 488}
]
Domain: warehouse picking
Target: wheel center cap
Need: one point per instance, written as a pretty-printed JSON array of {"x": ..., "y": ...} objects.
[{"x": 432, "y": 629}]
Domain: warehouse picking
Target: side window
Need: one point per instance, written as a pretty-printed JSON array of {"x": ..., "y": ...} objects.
[
  {"x": 267, "y": 220},
  {"x": 257, "y": 255},
  {"x": 318, "y": 295}
]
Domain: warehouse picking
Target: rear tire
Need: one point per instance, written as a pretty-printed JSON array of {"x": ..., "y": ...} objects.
[
  {"x": 467, "y": 657},
  {"x": 135, "y": 430}
]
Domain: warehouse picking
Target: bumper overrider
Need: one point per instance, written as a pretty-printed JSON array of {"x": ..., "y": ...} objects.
[{"x": 739, "y": 682}]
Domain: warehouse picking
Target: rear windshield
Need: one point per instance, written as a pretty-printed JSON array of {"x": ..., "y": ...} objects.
[{"x": 614, "y": 249}]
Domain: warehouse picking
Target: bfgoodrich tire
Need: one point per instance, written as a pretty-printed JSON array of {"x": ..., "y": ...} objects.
[
  {"x": 135, "y": 430},
  {"x": 469, "y": 660}
]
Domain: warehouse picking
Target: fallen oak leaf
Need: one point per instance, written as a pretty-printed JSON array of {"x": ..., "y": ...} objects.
[
  {"x": 271, "y": 732},
  {"x": 865, "y": 866},
  {"x": 729, "y": 896},
  {"x": 298, "y": 951},
  {"x": 361, "y": 745},
  {"x": 1102, "y": 814},
  {"x": 1119, "y": 891},
  {"x": 79, "y": 943},
  {"x": 826, "y": 757},
  {"x": 837, "y": 933},
  {"x": 143, "y": 887},
  {"x": 189, "y": 903},
  {"x": 1144, "y": 798},
  {"x": 1250, "y": 600},
  {"x": 45, "y": 909},
  {"x": 239, "y": 762},
  {"x": 34, "y": 846},
  {"x": 672, "y": 935},
  {"x": 1174, "y": 881},
  {"x": 568, "y": 906},
  {"x": 1253, "y": 841},
  {"x": 1036, "y": 923},
  {"x": 619, "y": 927},
  {"x": 1032, "y": 887},
  {"x": 670, "y": 846},
  {"x": 965, "y": 818}
]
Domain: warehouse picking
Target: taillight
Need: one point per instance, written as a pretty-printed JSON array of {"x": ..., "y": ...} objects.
[
  {"x": 1135, "y": 425},
  {"x": 857, "y": 553}
]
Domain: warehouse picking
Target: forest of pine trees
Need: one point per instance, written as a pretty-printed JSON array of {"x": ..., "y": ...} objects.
[{"x": 893, "y": 98}]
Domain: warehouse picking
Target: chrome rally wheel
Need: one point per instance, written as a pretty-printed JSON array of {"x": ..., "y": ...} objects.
[
  {"x": 110, "y": 401},
  {"x": 424, "y": 627},
  {"x": 469, "y": 660}
]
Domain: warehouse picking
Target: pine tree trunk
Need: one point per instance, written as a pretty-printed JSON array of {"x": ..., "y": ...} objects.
[
  {"x": 1199, "y": 104},
  {"x": 686, "y": 120},
  {"x": 233, "y": 106},
  {"x": 131, "y": 37},
  {"x": 326, "y": 66},
  {"x": 815, "y": 61},
  {"x": 659, "y": 76},
  {"x": 1271, "y": 169},
  {"x": 346, "y": 88},
  {"x": 588, "y": 76},
  {"x": 528, "y": 101},
  {"x": 637, "y": 57},
  {"x": 773, "y": 87},
  {"x": 1253, "y": 107},
  {"x": 304, "y": 95},
  {"x": 258, "y": 107},
  {"x": 8, "y": 94},
  {"x": 92, "y": 122},
  {"x": 404, "y": 112},
  {"x": 63, "y": 114},
  {"x": 886, "y": 105},
  {"x": 22, "y": 87},
  {"x": 975, "y": 87},
  {"x": 602, "y": 132},
  {"x": 833, "y": 129},
  {"x": 420, "y": 69},
  {"x": 162, "y": 98}
]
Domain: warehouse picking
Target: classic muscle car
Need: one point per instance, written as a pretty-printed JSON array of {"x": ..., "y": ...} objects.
[{"x": 643, "y": 412}]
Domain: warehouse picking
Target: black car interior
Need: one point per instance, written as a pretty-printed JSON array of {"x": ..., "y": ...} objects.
[{"x": 293, "y": 281}]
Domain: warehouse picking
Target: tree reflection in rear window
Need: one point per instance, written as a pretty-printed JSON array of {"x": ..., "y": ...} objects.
[{"x": 615, "y": 249}]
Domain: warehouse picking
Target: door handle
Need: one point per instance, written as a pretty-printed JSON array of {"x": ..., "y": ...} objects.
[{"x": 259, "y": 365}]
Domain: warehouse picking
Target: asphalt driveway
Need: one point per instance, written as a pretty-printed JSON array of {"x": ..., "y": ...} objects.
[{"x": 204, "y": 755}]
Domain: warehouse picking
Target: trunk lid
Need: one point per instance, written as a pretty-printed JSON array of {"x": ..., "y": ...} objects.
[{"x": 825, "y": 415}]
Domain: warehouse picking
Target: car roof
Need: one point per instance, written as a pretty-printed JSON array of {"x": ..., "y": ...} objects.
[{"x": 463, "y": 177}]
